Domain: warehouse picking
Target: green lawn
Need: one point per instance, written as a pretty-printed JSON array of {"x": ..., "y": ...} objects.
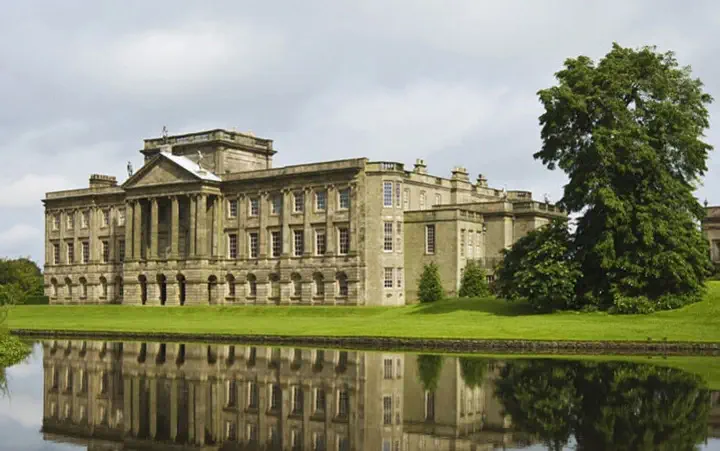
[{"x": 455, "y": 318}]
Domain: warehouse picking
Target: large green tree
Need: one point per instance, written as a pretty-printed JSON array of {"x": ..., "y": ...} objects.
[{"x": 628, "y": 132}]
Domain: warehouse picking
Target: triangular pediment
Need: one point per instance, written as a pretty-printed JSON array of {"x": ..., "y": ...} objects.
[{"x": 160, "y": 171}]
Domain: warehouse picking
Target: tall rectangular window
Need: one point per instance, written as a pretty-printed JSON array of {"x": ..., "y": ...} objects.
[
  {"x": 320, "y": 242},
  {"x": 388, "y": 282},
  {"x": 388, "y": 237},
  {"x": 105, "y": 218},
  {"x": 232, "y": 245},
  {"x": 399, "y": 277},
  {"x": 344, "y": 199},
  {"x": 319, "y": 400},
  {"x": 343, "y": 240},
  {"x": 275, "y": 204},
  {"x": 343, "y": 403},
  {"x": 275, "y": 397},
  {"x": 121, "y": 217},
  {"x": 477, "y": 244},
  {"x": 121, "y": 250},
  {"x": 253, "y": 244},
  {"x": 254, "y": 206},
  {"x": 387, "y": 369},
  {"x": 462, "y": 242},
  {"x": 85, "y": 252},
  {"x": 387, "y": 194},
  {"x": 387, "y": 409},
  {"x": 69, "y": 221},
  {"x": 320, "y": 200},
  {"x": 438, "y": 199},
  {"x": 84, "y": 219},
  {"x": 232, "y": 208},
  {"x": 105, "y": 251},
  {"x": 56, "y": 254},
  {"x": 252, "y": 395},
  {"x": 430, "y": 239},
  {"x": 276, "y": 243},
  {"x": 70, "y": 252},
  {"x": 398, "y": 236},
  {"x": 297, "y": 399},
  {"x": 398, "y": 190},
  {"x": 470, "y": 243},
  {"x": 299, "y": 204},
  {"x": 422, "y": 200},
  {"x": 298, "y": 242},
  {"x": 56, "y": 221}
]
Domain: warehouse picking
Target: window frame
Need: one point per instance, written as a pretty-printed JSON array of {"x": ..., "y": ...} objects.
[
  {"x": 318, "y": 195},
  {"x": 298, "y": 251},
  {"x": 346, "y": 232},
  {"x": 253, "y": 207},
  {"x": 388, "y": 283},
  {"x": 298, "y": 201},
  {"x": 388, "y": 236},
  {"x": 344, "y": 194},
  {"x": 254, "y": 244},
  {"x": 387, "y": 194},
  {"x": 430, "y": 245},
  {"x": 232, "y": 250},
  {"x": 319, "y": 233},
  {"x": 232, "y": 208}
]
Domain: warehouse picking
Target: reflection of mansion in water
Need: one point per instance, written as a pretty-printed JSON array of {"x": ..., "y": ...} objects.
[{"x": 191, "y": 396}]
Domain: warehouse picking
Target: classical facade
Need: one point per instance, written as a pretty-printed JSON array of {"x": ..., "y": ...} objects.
[
  {"x": 711, "y": 230},
  {"x": 209, "y": 220}
]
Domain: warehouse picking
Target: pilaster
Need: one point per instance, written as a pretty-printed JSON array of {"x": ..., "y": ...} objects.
[
  {"x": 241, "y": 218},
  {"x": 263, "y": 238},
  {"x": 137, "y": 231},
  {"x": 193, "y": 225},
  {"x": 174, "y": 228},
  {"x": 201, "y": 227},
  {"x": 331, "y": 201},
  {"x": 285, "y": 220},
  {"x": 129, "y": 230},
  {"x": 153, "y": 251},
  {"x": 307, "y": 228}
]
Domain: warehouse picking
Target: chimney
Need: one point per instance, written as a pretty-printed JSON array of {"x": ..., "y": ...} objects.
[
  {"x": 460, "y": 173},
  {"x": 102, "y": 181},
  {"x": 420, "y": 166},
  {"x": 481, "y": 181}
]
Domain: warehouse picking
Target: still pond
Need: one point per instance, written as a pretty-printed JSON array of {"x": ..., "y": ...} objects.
[{"x": 97, "y": 395}]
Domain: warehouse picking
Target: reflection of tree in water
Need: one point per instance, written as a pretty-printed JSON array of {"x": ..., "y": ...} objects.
[
  {"x": 429, "y": 367},
  {"x": 607, "y": 406},
  {"x": 472, "y": 370},
  {"x": 12, "y": 351}
]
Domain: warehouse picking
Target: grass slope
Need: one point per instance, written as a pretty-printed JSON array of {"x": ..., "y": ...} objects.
[{"x": 454, "y": 318}]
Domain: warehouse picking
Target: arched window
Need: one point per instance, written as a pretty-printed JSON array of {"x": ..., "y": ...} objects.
[
  {"x": 83, "y": 288},
  {"x": 296, "y": 285},
  {"x": 162, "y": 288},
  {"x": 274, "y": 285},
  {"x": 319, "y": 282},
  {"x": 68, "y": 288},
  {"x": 181, "y": 289},
  {"x": 103, "y": 288},
  {"x": 230, "y": 284},
  {"x": 342, "y": 284},
  {"x": 143, "y": 289},
  {"x": 212, "y": 289},
  {"x": 252, "y": 286},
  {"x": 119, "y": 289},
  {"x": 53, "y": 287}
]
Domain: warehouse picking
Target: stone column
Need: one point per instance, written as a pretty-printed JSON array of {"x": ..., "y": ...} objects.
[
  {"x": 285, "y": 221},
  {"x": 263, "y": 238},
  {"x": 153, "y": 406},
  {"x": 202, "y": 229},
  {"x": 127, "y": 405},
  {"x": 153, "y": 251},
  {"x": 175, "y": 228},
  {"x": 136, "y": 406},
  {"x": 307, "y": 228},
  {"x": 331, "y": 202},
  {"x": 92, "y": 238},
  {"x": 193, "y": 225},
  {"x": 218, "y": 242},
  {"x": 241, "y": 218},
  {"x": 128, "y": 230},
  {"x": 137, "y": 230},
  {"x": 173, "y": 409},
  {"x": 352, "y": 216}
]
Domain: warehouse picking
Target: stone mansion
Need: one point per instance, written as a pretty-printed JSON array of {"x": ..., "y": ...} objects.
[{"x": 209, "y": 220}]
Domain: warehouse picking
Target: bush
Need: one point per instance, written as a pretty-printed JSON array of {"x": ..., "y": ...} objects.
[
  {"x": 474, "y": 281},
  {"x": 430, "y": 287},
  {"x": 539, "y": 269},
  {"x": 37, "y": 300}
]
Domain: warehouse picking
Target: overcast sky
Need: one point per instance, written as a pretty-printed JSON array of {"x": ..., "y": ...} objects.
[{"x": 82, "y": 83}]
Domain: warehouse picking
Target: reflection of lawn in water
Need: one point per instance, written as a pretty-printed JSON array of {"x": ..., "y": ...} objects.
[{"x": 455, "y": 318}]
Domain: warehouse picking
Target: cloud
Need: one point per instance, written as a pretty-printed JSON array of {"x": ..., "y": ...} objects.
[
  {"x": 30, "y": 188},
  {"x": 19, "y": 234}
]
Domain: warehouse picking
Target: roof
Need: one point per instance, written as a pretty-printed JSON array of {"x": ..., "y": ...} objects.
[{"x": 191, "y": 167}]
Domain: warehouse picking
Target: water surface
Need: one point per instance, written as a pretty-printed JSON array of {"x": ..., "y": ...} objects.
[{"x": 73, "y": 395}]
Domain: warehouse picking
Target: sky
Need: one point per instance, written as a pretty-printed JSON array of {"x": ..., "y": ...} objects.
[{"x": 455, "y": 82}]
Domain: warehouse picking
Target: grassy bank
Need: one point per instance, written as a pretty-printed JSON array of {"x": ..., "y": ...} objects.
[{"x": 455, "y": 318}]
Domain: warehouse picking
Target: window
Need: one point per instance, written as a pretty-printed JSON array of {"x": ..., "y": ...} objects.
[
  {"x": 232, "y": 246},
  {"x": 429, "y": 405},
  {"x": 344, "y": 198},
  {"x": 121, "y": 217},
  {"x": 275, "y": 205},
  {"x": 252, "y": 395},
  {"x": 85, "y": 252},
  {"x": 388, "y": 369},
  {"x": 296, "y": 281},
  {"x": 56, "y": 253},
  {"x": 254, "y": 206},
  {"x": 276, "y": 243},
  {"x": 477, "y": 244},
  {"x": 398, "y": 237},
  {"x": 105, "y": 218},
  {"x": 319, "y": 284},
  {"x": 470, "y": 243},
  {"x": 297, "y": 399},
  {"x": 275, "y": 397},
  {"x": 318, "y": 441},
  {"x": 253, "y": 244},
  {"x": 70, "y": 252},
  {"x": 232, "y": 208},
  {"x": 105, "y": 251},
  {"x": 343, "y": 240},
  {"x": 230, "y": 433},
  {"x": 320, "y": 242},
  {"x": 399, "y": 371},
  {"x": 230, "y": 282},
  {"x": 398, "y": 190},
  {"x": 320, "y": 200},
  {"x": 343, "y": 403},
  {"x": 388, "y": 238},
  {"x": 388, "y": 278},
  {"x": 252, "y": 433},
  {"x": 252, "y": 285},
  {"x": 387, "y": 194},
  {"x": 387, "y": 410},
  {"x": 343, "y": 444},
  {"x": 462, "y": 242},
  {"x": 84, "y": 219},
  {"x": 319, "y": 400},
  {"x": 422, "y": 200},
  {"x": 295, "y": 440},
  {"x": 299, "y": 204},
  {"x": 342, "y": 284},
  {"x": 274, "y": 286},
  {"x": 121, "y": 250},
  {"x": 438, "y": 199},
  {"x": 398, "y": 277},
  {"x": 430, "y": 239},
  {"x": 298, "y": 242},
  {"x": 230, "y": 393},
  {"x": 406, "y": 199},
  {"x": 56, "y": 221},
  {"x": 69, "y": 221}
]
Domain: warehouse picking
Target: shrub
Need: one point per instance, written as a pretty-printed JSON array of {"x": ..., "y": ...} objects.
[
  {"x": 474, "y": 281},
  {"x": 430, "y": 287}
]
